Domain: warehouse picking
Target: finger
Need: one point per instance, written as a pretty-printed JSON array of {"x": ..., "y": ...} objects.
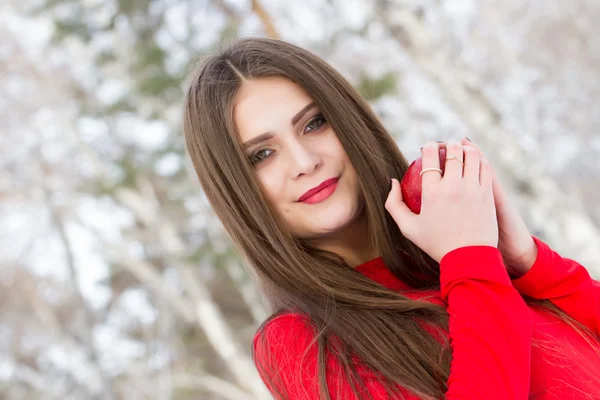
[
  {"x": 500, "y": 196},
  {"x": 466, "y": 142},
  {"x": 431, "y": 159},
  {"x": 485, "y": 173},
  {"x": 399, "y": 211},
  {"x": 499, "y": 193},
  {"x": 454, "y": 154},
  {"x": 472, "y": 165}
]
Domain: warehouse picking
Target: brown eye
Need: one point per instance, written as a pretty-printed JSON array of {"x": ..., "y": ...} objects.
[
  {"x": 258, "y": 156},
  {"x": 316, "y": 122}
]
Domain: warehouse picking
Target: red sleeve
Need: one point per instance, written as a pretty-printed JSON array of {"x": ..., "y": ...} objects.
[
  {"x": 564, "y": 282},
  {"x": 490, "y": 333},
  {"x": 490, "y": 327}
]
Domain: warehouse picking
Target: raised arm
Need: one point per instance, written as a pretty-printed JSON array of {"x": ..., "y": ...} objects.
[{"x": 490, "y": 327}]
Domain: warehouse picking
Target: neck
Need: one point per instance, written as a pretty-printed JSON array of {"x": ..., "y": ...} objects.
[{"x": 351, "y": 243}]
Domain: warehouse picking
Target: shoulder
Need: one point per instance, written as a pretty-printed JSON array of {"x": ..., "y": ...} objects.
[
  {"x": 284, "y": 321},
  {"x": 283, "y": 336},
  {"x": 285, "y": 353}
]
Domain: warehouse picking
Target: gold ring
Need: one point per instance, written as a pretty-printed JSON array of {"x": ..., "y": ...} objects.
[
  {"x": 457, "y": 159},
  {"x": 430, "y": 169}
]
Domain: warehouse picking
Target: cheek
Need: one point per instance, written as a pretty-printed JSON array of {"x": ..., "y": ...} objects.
[
  {"x": 337, "y": 149},
  {"x": 274, "y": 187}
]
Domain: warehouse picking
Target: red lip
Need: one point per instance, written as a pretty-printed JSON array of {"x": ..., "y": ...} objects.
[{"x": 317, "y": 188}]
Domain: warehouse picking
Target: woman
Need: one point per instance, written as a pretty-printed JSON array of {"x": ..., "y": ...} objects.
[{"x": 369, "y": 299}]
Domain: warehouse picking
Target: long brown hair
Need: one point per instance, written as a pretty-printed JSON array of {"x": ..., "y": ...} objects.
[{"x": 387, "y": 327}]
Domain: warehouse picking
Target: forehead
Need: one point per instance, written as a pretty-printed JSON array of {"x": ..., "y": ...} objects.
[{"x": 267, "y": 104}]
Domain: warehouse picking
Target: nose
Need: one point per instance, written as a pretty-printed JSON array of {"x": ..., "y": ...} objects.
[{"x": 303, "y": 159}]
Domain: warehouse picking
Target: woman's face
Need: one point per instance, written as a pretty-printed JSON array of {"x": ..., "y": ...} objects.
[{"x": 293, "y": 150}]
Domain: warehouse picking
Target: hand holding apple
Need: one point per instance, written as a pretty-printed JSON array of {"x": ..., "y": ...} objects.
[
  {"x": 442, "y": 225},
  {"x": 518, "y": 249}
]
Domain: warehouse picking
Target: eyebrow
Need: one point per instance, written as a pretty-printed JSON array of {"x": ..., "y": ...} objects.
[{"x": 269, "y": 135}]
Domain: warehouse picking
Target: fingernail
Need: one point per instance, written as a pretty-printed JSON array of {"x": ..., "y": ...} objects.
[{"x": 468, "y": 139}]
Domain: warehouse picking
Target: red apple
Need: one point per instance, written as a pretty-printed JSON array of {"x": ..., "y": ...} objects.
[{"x": 411, "y": 182}]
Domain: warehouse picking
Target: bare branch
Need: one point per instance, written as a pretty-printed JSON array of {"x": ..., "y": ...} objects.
[{"x": 88, "y": 318}]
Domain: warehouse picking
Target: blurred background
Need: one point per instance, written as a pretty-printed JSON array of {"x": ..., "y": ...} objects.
[{"x": 116, "y": 279}]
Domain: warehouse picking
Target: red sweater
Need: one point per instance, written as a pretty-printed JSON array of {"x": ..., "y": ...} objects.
[{"x": 490, "y": 329}]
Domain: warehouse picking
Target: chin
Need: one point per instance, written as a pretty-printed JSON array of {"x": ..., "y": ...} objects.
[{"x": 331, "y": 220}]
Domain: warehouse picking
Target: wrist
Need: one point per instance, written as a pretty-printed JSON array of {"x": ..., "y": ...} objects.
[{"x": 520, "y": 266}]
